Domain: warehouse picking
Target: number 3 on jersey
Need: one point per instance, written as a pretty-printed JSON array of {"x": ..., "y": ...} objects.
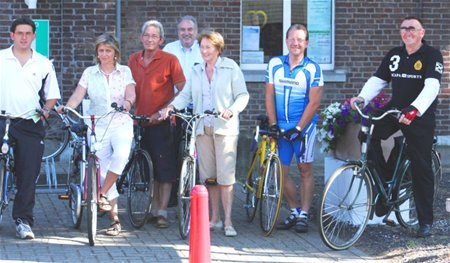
[{"x": 394, "y": 63}]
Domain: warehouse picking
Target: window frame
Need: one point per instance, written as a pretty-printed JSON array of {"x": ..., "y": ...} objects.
[{"x": 286, "y": 23}]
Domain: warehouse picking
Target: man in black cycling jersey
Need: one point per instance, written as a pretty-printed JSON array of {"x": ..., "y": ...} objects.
[{"x": 414, "y": 71}]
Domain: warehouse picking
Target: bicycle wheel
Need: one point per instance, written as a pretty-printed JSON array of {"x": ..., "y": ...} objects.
[
  {"x": 345, "y": 206},
  {"x": 271, "y": 195},
  {"x": 437, "y": 171},
  {"x": 76, "y": 210},
  {"x": 56, "y": 135},
  {"x": 92, "y": 201},
  {"x": 251, "y": 187},
  {"x": 184, "y": 196},
  {"x": 140, "y": 189},
  {"x": 405, "y": 207}
]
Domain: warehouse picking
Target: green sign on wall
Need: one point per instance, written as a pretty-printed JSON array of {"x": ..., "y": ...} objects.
[{"x": 41, "y": 43}]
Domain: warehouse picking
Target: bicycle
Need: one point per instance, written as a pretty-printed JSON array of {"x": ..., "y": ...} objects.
[
  {"x": 355, "y": 188},
  {"x": 7, "y": 180},
  {"x": 137, "y": 178},
  {"x": 89, "y": 194},
  {"x": 188, "y": 174},
  {"x": 76, "y": 168},
  {"x": 264, "y": 179}
]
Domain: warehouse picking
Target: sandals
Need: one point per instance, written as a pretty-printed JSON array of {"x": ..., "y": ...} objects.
[
  {"x": 230, "y": 231},
  {"x": 216, "y": 226},
  {"x": 114, "y": 230},
  {"x": 103, "y": 204}
]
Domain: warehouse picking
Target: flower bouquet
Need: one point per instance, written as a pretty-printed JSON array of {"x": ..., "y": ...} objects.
[{"x": 337, "y": 116}]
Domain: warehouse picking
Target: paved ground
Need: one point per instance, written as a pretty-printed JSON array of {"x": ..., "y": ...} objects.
[{"x": 56, "y": 241}]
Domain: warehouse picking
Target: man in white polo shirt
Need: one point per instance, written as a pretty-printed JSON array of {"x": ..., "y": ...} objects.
[{"x": 27, "y": 82}]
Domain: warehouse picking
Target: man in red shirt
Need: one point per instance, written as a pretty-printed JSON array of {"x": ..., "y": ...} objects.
[{"x": 156, "y": 74}]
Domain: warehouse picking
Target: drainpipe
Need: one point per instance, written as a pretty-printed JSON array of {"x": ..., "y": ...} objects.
[{"x": 118, "y": 20}]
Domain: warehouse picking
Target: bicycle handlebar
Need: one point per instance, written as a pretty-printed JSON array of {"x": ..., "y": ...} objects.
[
  {"x": 187, "y": 116},
  {"x": 139, "y": 118},
  {"x": 365, "y": 116},
  {"x": 87, "y": 117},
  {"x": 10, "y": 116}
]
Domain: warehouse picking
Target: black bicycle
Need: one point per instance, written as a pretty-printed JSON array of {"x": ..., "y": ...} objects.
[
  {"x": 136, "y": 179},
  {"x": 356, "y": 190}
]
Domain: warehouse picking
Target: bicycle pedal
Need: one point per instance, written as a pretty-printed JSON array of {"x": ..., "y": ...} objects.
[
  {"x": 63, "y": 197},
  {"x": 389, "y": 222}
]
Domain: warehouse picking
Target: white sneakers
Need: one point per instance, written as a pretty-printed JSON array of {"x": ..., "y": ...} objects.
[{"x": 23, "y": 230}]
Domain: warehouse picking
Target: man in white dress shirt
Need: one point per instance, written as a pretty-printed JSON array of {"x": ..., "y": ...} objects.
[{"x": 186, "y": 48}]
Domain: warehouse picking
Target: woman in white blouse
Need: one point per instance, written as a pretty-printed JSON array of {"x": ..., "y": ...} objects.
[{"x": 105, "y": 83}]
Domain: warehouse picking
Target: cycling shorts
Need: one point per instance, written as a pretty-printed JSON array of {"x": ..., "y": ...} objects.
[{"x": 286, "y": 149}]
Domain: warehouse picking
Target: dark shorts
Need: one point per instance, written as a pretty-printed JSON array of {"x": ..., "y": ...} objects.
[{"x": 159, "y": 141}]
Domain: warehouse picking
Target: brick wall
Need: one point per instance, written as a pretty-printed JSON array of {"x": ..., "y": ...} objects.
[
  {"x": 222, "y": 16},
  {"x": 73, "y": 27},
  {"x": 365, "y": 31}
]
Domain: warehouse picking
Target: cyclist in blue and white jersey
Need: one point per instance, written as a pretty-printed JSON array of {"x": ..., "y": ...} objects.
[{"x": 293, "y": 91}]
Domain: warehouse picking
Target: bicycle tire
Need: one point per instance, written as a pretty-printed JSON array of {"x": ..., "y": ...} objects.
[
  {"x": 437, "y": 171},
  {"x": 271, "y": 195},
  {"x": 184, "y": 196},
  {"x": 92, "y": 201},
  {"x": 76, "y": 209},
  {"x": 405, "y": 206},
  {"x": 345, "y": 207},
  {"x": 57, "y": 136},
  {"x": 140, "y": 188},
  {"x": 2, "y": 188},
  {"x": 253, "y": 177}
]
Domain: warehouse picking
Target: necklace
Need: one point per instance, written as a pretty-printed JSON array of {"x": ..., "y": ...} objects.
[{"x": 106, "y": 75}]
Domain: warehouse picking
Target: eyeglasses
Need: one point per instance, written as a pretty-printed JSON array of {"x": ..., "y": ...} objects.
[
  {"x": 154, "y": 37},
  {"x": 410, "y": 29},
  {"x": 298, "y": 40}
]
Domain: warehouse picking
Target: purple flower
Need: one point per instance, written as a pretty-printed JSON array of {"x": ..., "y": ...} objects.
[
  {"x": 331, "y": 128},
  {"x": 345, "y": 111}
]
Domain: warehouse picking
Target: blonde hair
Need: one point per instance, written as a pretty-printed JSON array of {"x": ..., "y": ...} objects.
[
  {"x": 215, "y": 38},
  {"x": 109, "y": 40}
]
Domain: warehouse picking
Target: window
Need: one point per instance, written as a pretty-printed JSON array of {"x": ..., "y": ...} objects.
[{"x": 264, "y": 26}]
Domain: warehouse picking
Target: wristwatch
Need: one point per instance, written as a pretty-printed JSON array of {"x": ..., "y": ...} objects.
[{"x": 298, "y": 128}]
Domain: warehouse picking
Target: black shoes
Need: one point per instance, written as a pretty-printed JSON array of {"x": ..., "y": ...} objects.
[
  {"x": 288, "y": 223},
  {"x": 302, "y": 225},
  {"x": 380, "y": 208},
  {"x": 424, "y": 231}
]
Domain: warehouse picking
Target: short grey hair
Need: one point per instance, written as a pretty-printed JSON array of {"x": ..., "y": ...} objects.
[
  {"x": 153, "y": 23},
  {"x": 189, "y": 18}
]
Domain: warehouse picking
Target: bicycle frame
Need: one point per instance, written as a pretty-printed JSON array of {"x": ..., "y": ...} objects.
[
  {"x": 137, "y": 147},
  {"x": 6, "y": 157},
  {"x": 401, "y": 164},
  {"x": 189, "y": 169},
  {"x": 266, "y": 148},
  {"x": 91, "y": 166}
]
